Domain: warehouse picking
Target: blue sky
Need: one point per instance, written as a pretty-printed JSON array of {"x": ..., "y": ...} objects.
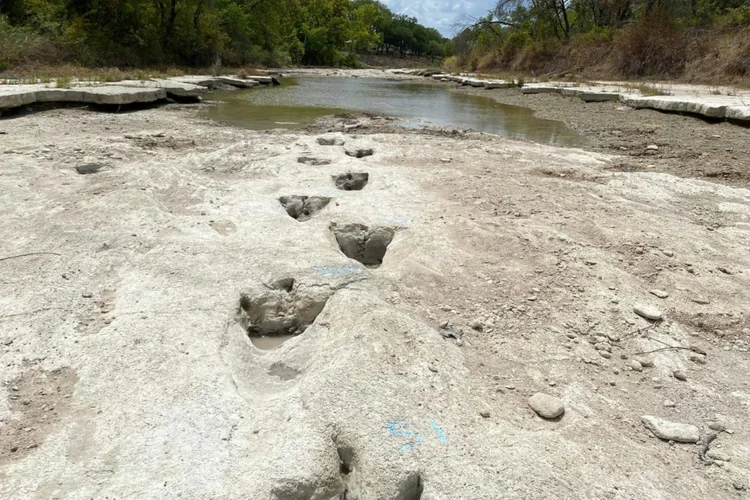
[{"x": 440, "y": 14}]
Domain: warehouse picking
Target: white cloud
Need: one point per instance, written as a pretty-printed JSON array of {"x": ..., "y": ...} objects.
[{"x": 441, "y": 14}]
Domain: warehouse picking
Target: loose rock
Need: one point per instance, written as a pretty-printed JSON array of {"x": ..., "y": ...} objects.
[
  {"x": 671, "y": 431},
  {"x": 648, "y": 312},
  {"x": 485, "y": 413},
  {"x": 313, "y": 162},
  {"x": 679, "y": 375},
  {"x": 360, "y": 152},
  {"x": 636, "y": 365},
  {"x": 89, "y": 168},
  {"x": 330, "y": 141},
  {"x": 659, "y": 293},
  {"x": 717, "y": 426},
  {"x": 546, "y": 406}
]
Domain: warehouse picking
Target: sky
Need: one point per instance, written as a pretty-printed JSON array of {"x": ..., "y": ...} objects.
[{"x": 441, "y": 14}]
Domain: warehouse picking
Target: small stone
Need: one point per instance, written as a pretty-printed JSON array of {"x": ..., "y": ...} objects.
[
  {"x": 648, "y": 312},
  {"x": 700, "y": 300},
  {"x": 739, "y": 485},
  {"x": 87, "y": 295},
  {"x": 532, "y": 298},
  {"x": 668, "y": 253},
  {"x": 433, "y": 368},
  {"x": 605, "y": 354},
  {"x": 697, "y": 358},
  {"x": 359, "y": 152},
  {"x": 679, "y": 375},
  {"x": 671, "y": 431},
  {"x": 89, "y": 168},
  {"x": 646, "y": 363},
  {"x": 669, "y": 403},
  {"x": 717, "y": 426},
  {"x": 485, "y": 413},
  {"x": 546, "y": 406},
  {"x": 477, "y": 325},
  {"x": 510, "y": 387},
  {"x": 330, "y": 141},
  {"x": 639, "y": 250},
  {"x": 719, "y": 455},
  {"x": 659, "y": 293},
  {"x": 13, "y": 449},
  {"x": 613, "y": 337},
  {"x": 652, "y": 147},
  {"x": 636, "y": 365}
]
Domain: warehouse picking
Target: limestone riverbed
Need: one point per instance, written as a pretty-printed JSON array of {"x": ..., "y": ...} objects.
[{"x": 464, "y": 316}]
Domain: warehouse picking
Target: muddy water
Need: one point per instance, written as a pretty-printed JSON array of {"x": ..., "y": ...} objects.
[
  {"x": 300, "y": 101},
  {"x": 268, "y": 343}
]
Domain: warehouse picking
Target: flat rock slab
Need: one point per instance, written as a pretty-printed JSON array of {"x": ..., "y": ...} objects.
[
  {"x": 541, "y": 90},
  {"x": 671, "y": 431},
  {"x": 497, "y": 84},
  {"x": 679, "y": 104},
  {"x": 591, "y": 95},
  {"x": 118, "y": 95},
  {"x": 12, "y": 96},
  {"x": 172, "y": 87},
  {"x": 214, "y": 81},
  {"x": 21, "y": 95}
]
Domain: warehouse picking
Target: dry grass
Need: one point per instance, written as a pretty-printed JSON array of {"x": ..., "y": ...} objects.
[
  {"x": 649, "y": 89},
  {"x": 63, "y": 82}
]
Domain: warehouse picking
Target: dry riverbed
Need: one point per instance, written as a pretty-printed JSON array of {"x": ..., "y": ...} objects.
[
  {"x": 142, "y": 250},
  {"x": 685, "y": 145}
]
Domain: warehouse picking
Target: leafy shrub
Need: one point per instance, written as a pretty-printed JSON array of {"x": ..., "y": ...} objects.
[{"x": 452, "y": 65}]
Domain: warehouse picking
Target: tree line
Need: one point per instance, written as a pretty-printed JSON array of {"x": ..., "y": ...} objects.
[
  {"x": 206, "y": 32},
  {"x": 633, "y": 37}
]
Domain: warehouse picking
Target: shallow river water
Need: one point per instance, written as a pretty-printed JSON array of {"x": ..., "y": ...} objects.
[{"x": 300, "y": 101}]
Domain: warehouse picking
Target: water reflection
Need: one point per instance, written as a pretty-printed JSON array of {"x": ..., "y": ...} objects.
[{"x": 300, "y": 101}]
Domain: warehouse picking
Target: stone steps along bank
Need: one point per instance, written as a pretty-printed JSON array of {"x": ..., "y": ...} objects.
[
  {"x": 717, "y": 107},
  {"x": 125, "y": 92}
]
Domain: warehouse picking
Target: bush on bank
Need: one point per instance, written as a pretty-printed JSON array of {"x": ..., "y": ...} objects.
[
  {"x": 695, "y": 40},
  {"x": 201, "y": 33}
]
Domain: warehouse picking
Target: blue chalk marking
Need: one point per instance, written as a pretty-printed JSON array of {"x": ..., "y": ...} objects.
[
  {"x": 328, "y": 270},
  {"x": 438, "y": 431},
  {"x": 410, "y": 446},
  {"x": 397, "y": 428}
]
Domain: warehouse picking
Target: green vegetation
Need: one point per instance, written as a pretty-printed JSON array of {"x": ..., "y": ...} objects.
[
  {"x": 699, "y": 40},
  {"x": 202, "y": 33}
]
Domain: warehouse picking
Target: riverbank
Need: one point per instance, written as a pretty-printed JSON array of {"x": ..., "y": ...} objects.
[
  {"x": 140, "y": 249},
  {"x": 686, "y": 146}
]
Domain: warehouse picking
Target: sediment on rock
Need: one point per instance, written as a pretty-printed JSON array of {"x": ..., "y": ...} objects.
[
  {"x": 363, "y": 244},
  {"x": 285, "y": 308},
  {"x": 303, "y": 208},
  {"x": 351, "y": 181}
]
